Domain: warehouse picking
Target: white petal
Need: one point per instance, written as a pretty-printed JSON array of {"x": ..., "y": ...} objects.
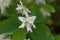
[
  {"x": 44, "y": 12},
  {"x": 48, "y": 14},
  {"x": 22, "y": 25},
  {"x": 19, "y": 7},
  {"x": 31, "y": 19},
  {"x": 26, "y": 13},
  {"x": 27, "y": 39},
  {"x": 21, "y": 2},
  {"x": 28, "y": 10},
  {"x": 42, "y": 9},
  {"x": 6, "y": 3},
  {"x": 2, "y": 36},
  {"x": 33, "y": 26},
  {"x": 29, "y": 28},
  {"x": 21, "y": 19},
  {"x": 40, "y": 2},
  {"x": 2, "y": 9}
]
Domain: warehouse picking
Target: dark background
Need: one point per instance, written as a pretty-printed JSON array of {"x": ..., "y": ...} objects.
[{"x": 55, "y": 27}]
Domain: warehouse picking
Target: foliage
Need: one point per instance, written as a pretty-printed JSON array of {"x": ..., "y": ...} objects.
[{"x": 9, "y": 22}]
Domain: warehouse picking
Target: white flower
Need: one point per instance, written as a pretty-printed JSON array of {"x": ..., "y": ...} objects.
[
  {"x": 2, "y": 37},
  {"x": 4, "y": 4},
  {"x": 40, "y": 2},
  {"x": 27, "y": 39},
  {"x": 44, "y": 12},
  {"x": 22, "y": 9},
  {"x": 27, "y": 22}
]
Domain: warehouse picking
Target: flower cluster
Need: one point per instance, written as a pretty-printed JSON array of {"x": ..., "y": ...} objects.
[
  {"x": 40, "y": 2},
  {"x": 27, "y": 21},
  {"x": 4, "y": 4},
  {"x": 43, "y": 10}
]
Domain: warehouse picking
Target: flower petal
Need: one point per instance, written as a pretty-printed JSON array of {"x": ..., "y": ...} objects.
[
  {"x": 22, "y": 25},
  {"x": 44, "y": 12},
  {"x": 40, "y": 2},
  {"x": 29, "y": 28},
  {"x": 6, "y": 3},
  {"x": 25, "y": 12},
  {"x": 21, "y": 19},
  {"x": 33, "y": 26},
  {"x": 31, "y": 19},
  {"x": 28, "y": 10},
  {"x": 21, "y": 3},
  {"x": 48, "y": 14},
  {"x": 2, "y": 9},
  {"x": 19, "y": 7},
  {"x": 27, "y": 39}
]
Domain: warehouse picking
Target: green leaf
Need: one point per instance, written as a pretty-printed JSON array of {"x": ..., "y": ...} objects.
[
  {"x": 50, "y": 1},
  {"x": 28, "y": 2},
  {"x": 41, "y": 32},
  {"x": 19, "y": 35},
  {"x": 49, "y": 8},
  {"x": 35, "y": 9},
  {"x": 57, "y": 37},
  {"x": 2, "y": 18},
  {"x": 9, "y": 25},
  {"x": 11, "y": 11}
]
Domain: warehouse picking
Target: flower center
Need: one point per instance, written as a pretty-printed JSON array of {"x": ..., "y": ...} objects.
[{"x": 26, "y": 22}]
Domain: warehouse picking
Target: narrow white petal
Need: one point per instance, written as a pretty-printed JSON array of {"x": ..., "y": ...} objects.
[
  {"x": 21, "y": 19},
  {"x": 26, "y": 13},
  {"x": 31, "y": 19},
  {"x": 2, "y": 9},
  {"x": 29, "y": 28},
  {"x": 27, "y": 39},
  {"x": 28, "y": 10},
  {"x": 33, "y": 26},
  {"x": 21, "y": 2},
  {"x": 22, "y": 25},
  {"x": 19, "y": 7}
]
